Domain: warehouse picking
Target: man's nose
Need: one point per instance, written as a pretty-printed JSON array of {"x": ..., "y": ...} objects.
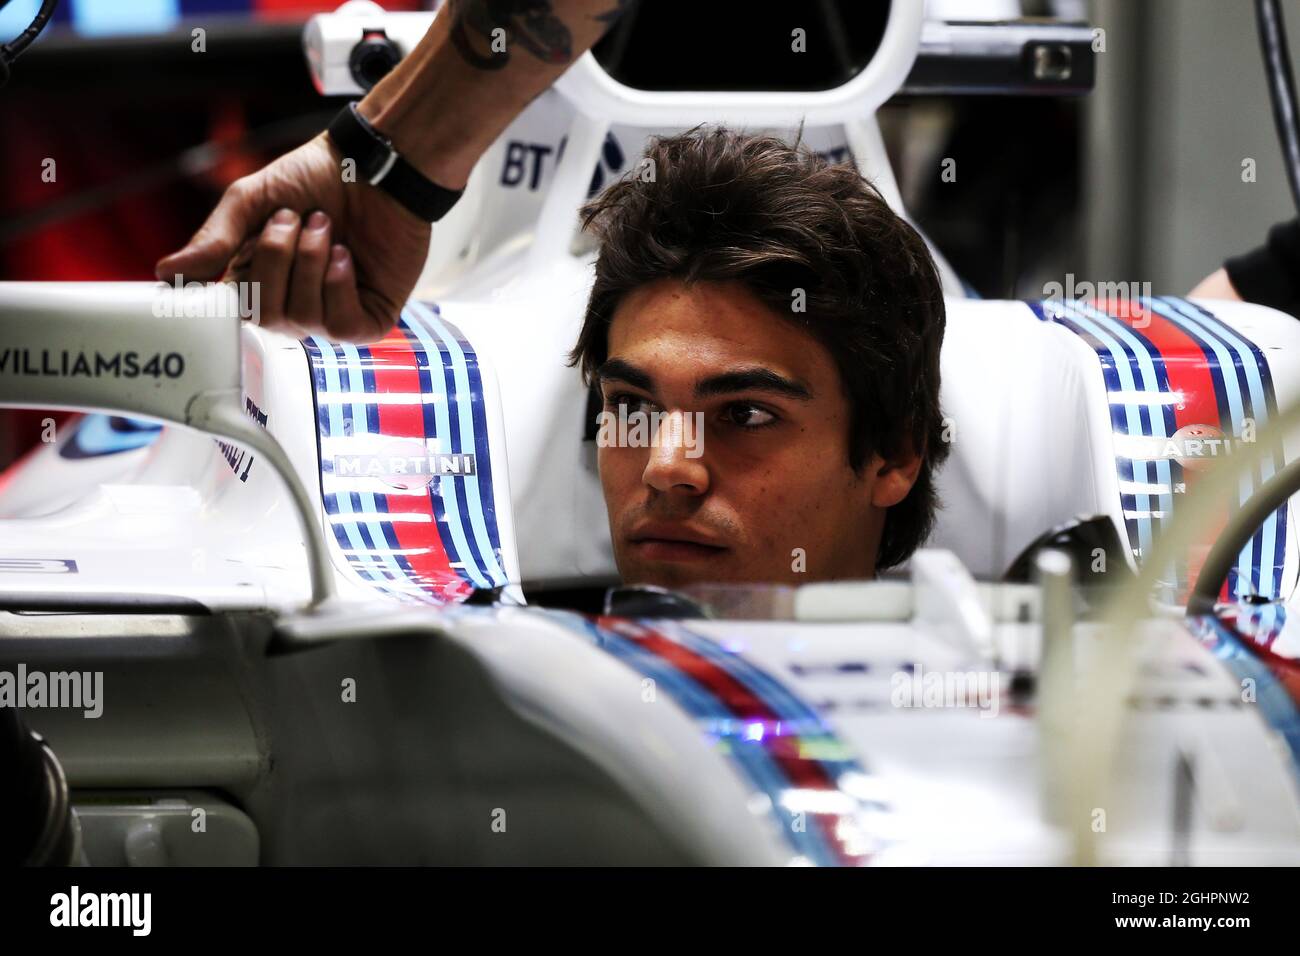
[{"x": 676, "y": 461}]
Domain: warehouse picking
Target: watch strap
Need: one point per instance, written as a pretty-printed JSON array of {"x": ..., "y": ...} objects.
[{"x": 381, "y": 165}]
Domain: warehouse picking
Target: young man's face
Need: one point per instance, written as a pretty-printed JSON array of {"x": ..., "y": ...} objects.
[{"x": 765, "y": 492}]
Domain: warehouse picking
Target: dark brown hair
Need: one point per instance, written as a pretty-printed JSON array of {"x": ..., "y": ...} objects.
[{"x": 715, "y": 205}]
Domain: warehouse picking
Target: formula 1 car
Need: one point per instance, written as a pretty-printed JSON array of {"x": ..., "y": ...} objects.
[{"x": 340, "y": 597}]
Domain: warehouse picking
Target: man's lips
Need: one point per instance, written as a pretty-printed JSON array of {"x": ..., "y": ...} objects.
[
  {"x": 673, "y": 544},
  {"x": 662, "y": 549}
]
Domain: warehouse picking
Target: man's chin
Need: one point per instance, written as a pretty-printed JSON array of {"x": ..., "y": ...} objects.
[
  {"x": 718, "y": 568},
  {"x": 665, "y": 574}
]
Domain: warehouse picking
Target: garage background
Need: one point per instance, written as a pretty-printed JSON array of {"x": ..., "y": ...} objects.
[{"x": 1141, "y": 181}]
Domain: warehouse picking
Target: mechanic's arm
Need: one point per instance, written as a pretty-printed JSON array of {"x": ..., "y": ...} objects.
[
  {"x": 342, "y": 258},
  {"x": 1269, "y": 275}
]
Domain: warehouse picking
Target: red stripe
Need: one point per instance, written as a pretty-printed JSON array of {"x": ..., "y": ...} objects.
[
  {"x": 1187, "y": 370},
  {"x": 301, "y": 9},
  {"x": 1184, "y": 361},
  {"x": 803, "y": 772},
  {"x": 394, "y": 364},
  {"x": 1285, "y": 669}
]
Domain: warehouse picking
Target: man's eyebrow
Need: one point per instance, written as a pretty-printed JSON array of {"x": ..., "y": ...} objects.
[
  {"x": 753, "y": 380},
  {"x": 624, "y": 372}
]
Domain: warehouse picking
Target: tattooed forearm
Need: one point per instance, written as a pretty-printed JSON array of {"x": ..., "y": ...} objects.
[{"x": 486, "y": 32}]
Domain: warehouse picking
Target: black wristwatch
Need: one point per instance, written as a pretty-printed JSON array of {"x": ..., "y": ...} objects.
[{"x": 379, "y": 164}]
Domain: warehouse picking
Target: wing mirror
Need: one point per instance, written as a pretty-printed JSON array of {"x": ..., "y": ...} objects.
[{"x": 146, "y": 350}]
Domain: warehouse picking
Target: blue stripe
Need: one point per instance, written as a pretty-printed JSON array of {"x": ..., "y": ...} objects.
[
  {"x": 464, "y": 508},
  {"x": 332, "y": 416},
  {"x": 1135, "y": 423},
  {"x": 378, "y": 535},
  {"x": 446, "y": 506},
  {"x": 771, "y": 691},
  {"x": 1243, "y": 389},
  {"x": 1227, "y": 365},
  {"x": 1223, "y": 388},
  {"x": 366, "y": 363},
  {"x": 359, "y": 386},
  {"x": 1272, "y": 534},
  {"x": 463, "y": 411},
  {"x": 1118, "y": 416},
  {"x": 1271, "y": 696},
  {"x": 1117, "y": 376},
  {"x": 354, "y": 540},
  {"x": 482, "y": 437},
  {"x": 704, "y": 706},
  {"x": 1156, "y": 381},
  {"x": 1246, "y": 399},
  {"x": 331, "y": 413},
  {"x": 97, "y": 435},
  {"x": 193, "y": 7},
  {"x": 437, "y": 422},
  {"x": 435, "y": 426},
  {"x": 460, "y": 399}
]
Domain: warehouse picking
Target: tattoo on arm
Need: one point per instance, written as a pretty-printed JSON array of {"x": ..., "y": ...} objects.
[{"x": 486, "y": 31}]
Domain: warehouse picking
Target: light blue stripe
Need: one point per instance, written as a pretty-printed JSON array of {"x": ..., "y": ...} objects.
[
  {"x": 332, "y": 384},
  {"x": 465, "y": 413},
  {"x": 1123, "y": 368},
  {"x": 1249, "y": 363},
  {"x": 1271, "y": 696},
  {"x": 776, "y": 695},
  {"x": 703, "y": 705},
  {"x": 446, "y": 490},
  {"x": 1264, "y": 620},
  {"x": 1159, "y": 427},
  {"x": 1236, "y": 409},
  {"x": 1259, "y": 403},
  {"x": 105, "y": 17},
  {"x": 368, "y": 503},
  {"x": 326, "y": 360}
]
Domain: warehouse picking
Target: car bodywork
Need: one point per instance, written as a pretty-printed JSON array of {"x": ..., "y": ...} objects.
[{"x": 429, "y": 710}]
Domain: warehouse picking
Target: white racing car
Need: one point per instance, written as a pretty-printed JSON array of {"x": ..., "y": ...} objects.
[{"x": 325, "y": 603}]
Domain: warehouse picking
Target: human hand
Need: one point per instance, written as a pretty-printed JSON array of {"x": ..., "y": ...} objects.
[{"x": 329, "y": 257}]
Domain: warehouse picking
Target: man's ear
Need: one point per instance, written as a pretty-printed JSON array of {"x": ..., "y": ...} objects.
[{"x": 895, "y": 477}]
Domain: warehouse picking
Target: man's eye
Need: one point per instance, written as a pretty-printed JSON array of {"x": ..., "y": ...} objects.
[
  {"x": 745, "y": 415},
  {"x": 629, "y": 402}
]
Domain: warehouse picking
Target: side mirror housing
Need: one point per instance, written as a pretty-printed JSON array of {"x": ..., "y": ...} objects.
[{"x": 143, "y": 350}]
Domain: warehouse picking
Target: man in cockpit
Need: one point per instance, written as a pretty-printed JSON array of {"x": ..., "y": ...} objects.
[
  {"x": 780, "y": 326},
  {"x": 772, "y": 298}
]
